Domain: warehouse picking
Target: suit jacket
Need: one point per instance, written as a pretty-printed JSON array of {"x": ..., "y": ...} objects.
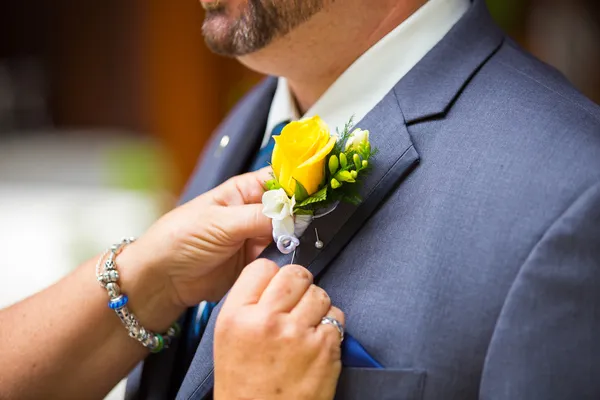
[{"x": 472, "y": 267}]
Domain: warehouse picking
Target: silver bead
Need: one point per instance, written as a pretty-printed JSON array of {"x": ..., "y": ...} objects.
[
  {"x": 111, "y": 276},
  {"x": 134, "y": 330},
  {"x": 113, "y": 289},
  {"x": 109, "y": 264},
  {"x": 154, "y": 342},
  {"x": 142, "y": 334},
  {"x": 132, "y": 320},
  {"x": 149, "y": 340},
  {"x": 124, "y": 316}
]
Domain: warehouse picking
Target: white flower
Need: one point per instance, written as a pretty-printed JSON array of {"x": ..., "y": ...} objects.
[
  {"x": 357, "y": 137},
  {"x": 285, "y": 227},
  {"x": 280, "y": 208},
  {"x": 277, "y": 205}
]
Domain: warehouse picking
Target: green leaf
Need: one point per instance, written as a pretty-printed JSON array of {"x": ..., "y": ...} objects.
[
  {"x": 318, "y": 197},
  {"x": 300, "y": 192},
  {"x": 272, "y": 184},
  {"x": 300, "y": 211}
]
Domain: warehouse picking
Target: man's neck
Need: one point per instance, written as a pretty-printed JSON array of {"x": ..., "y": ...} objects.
[{"x": 316, "y": 53}]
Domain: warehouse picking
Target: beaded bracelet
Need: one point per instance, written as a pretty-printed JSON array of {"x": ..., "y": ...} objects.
[{"x": 108, "y": 277}]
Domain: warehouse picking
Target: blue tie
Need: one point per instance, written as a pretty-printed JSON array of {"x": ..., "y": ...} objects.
[{"x": 263, "y": 158}]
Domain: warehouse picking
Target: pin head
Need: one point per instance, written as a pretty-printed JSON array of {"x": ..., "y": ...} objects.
[
  {"x": 224, "y": 141},
  {"x": 319, "y": 242}
]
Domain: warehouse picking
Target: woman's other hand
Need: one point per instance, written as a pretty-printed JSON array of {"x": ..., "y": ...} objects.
[{"x": 269, "y": 340}]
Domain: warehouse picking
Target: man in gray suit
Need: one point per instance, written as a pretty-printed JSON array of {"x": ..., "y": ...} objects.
[{"x": 472, "y": 267}]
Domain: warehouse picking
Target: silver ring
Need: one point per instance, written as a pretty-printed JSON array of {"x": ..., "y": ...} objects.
[{"x": 336, "y": 323}]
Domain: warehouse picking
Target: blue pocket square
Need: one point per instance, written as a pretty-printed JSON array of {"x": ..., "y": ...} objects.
[{"x": 355, "y": 356}]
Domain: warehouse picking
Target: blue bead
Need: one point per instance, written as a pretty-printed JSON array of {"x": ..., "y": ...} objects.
[{"x": 119, "y": 302}]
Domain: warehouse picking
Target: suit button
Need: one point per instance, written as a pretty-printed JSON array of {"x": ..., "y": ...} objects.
[{"x": 224, "y": 141}]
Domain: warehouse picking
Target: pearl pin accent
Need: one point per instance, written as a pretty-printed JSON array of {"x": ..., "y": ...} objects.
[{"x": 319, "y": 243}]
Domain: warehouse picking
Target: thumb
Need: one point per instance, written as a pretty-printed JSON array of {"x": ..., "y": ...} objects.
[{"x": 247, "y": 221}]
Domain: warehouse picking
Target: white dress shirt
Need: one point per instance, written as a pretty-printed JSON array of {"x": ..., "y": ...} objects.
[{"x": 352, "y": 94}]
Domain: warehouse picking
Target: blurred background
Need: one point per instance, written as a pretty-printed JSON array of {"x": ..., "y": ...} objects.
[{"x": 105, "y": 106}]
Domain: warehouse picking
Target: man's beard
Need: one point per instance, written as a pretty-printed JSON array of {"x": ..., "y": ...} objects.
[{"x": 258, "y": 23}]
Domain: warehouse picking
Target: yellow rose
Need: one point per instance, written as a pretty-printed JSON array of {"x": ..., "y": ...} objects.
[{"x": 300, "y": 153}]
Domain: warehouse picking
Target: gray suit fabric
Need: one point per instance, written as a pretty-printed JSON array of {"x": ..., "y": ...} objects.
[{"x": 472, "y": 268}]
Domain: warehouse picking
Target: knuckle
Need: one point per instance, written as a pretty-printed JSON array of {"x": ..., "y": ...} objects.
[
  {"x": 320, "y": 295},
  {"x": 233, "y": 182},
  {"x": 338, "y": 315},
  {"x": 225, "y": 193},
  {"x": 266, "y": 325},
  {"x": 268, "y": 265},
  {"x": 297, "y": 272},
  {"x": 291, "y": 333},
  {"x": 327, "y": 337},
  {"x": 226, "y": 322}
]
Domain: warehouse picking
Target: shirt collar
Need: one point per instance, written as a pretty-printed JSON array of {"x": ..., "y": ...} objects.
[{"x": 376, "y": 72}]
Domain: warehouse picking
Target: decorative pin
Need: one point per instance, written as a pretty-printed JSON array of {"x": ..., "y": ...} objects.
[
  {"x": 224, "y": 141},
  {"x": 318, "y": 244},
  {"x": 222, "y": 144}
]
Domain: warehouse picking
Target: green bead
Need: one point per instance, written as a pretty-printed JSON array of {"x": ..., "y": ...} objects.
[{"x": 161, "y": 343}]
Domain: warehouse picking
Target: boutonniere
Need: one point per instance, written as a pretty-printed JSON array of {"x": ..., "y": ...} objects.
[{"x": 313, "y": 171}]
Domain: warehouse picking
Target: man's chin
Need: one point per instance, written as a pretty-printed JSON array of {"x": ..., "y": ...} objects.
[
  {"x": 217, "y": 35},
  {"x": 235, "y": 34},
  {"x": 221, "y": 40}
]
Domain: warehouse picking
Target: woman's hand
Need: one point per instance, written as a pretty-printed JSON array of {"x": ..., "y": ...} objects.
[
  {"x": 197, "y": 251},
  {"x": 269, "y": 340}
]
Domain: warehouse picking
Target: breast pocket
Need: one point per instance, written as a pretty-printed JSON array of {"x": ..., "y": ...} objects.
[{"x": 380, "y": 384}]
